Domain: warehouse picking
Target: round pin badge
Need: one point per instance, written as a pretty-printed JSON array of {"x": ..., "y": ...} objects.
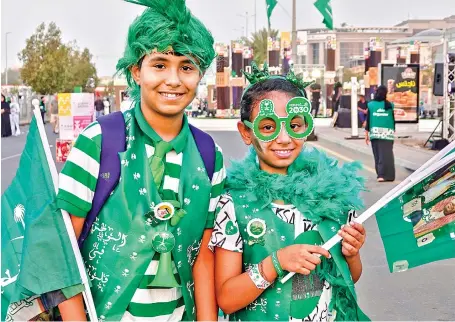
[
  {"x": 256, "y": 228},
  {"x": 163, "y": 242},
  {"x": 164, "y": 211}
]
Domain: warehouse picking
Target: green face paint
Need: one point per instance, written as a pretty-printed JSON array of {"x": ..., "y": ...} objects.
[{"x": 267, "y": 124}]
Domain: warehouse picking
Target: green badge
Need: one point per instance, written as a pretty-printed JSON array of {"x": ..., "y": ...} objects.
[
  {"x": 256, "y": 230},
  {"x": 164, "y": 211},
  {"x": 163, "y": 242}
]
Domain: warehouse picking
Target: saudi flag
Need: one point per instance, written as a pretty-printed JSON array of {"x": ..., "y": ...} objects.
[
  {"x": 416, "y": 219},
  {"x": 37, "y": 252},
  {"x": 270, "y": 4},
  {"x": 325, "y": 8},
  {"x": 417, "y": 225}
]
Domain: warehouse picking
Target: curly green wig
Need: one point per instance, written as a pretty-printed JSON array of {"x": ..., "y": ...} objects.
[{"x": 165, "y": 24}]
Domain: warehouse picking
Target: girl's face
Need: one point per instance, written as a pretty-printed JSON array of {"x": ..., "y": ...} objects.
[{"x": 277, "y": 155}]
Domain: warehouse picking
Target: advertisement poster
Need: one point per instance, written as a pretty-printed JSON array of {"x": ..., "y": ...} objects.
[
  {"x": 64, "y": 104},
  {"x": 80, "y": 123},
  {"x": 62, "y": 149},
  {"x": 403, "y": 86},
  {"x": 76, "y": 111},
  {"x": 82, "y": 104},
  {"x": 66, "y": 127}
]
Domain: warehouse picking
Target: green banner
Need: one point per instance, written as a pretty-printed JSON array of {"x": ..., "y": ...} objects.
[
  {"x": 325, "y": 8},
  {"x": 270, "y": 4}
]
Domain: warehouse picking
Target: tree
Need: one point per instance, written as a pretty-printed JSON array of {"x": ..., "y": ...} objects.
[
  {"x": 14, "y": 77},
  {"x": 258, "y": 42},
  {"x": 50, "y": 66},
  {"x": 82, "y": 69}
]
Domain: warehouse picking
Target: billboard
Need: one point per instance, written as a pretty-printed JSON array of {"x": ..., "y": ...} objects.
[{"x": 403, "y": 84}]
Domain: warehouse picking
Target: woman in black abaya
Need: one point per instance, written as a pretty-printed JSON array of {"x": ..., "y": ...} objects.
[{"x": 6, "y": 122}]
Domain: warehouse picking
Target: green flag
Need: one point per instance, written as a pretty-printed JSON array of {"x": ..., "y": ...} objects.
[
  {"x": 37, "y": 256},
  {"x": 270, "y": 4},
  {"x": 325, "y": 8},
  {"x": 418, "y": 225}
]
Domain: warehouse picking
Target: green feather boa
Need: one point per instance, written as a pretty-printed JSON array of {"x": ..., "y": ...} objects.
[
  {"x": 329, "y": 190},
  {"x": 320, "y": 188}
]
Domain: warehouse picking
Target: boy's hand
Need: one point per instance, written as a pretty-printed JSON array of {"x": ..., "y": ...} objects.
[{"x": 353, "y": 238}]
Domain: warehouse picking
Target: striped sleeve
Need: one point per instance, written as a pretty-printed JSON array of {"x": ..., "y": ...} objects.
[
  {"x": 218, "y": 180},
  {"x": 77, "y": 181}
]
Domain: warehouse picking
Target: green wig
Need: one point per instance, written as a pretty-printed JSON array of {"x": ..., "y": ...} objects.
[{"x": 165, "y": 24}]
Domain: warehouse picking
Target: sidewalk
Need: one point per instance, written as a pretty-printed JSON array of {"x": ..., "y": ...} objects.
[{"x": 407, "y": 148}]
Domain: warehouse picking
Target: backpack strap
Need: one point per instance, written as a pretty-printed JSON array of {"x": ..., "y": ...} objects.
[
  {"x": 113, "y": 141},
  {"x": 206, "y": 147}
]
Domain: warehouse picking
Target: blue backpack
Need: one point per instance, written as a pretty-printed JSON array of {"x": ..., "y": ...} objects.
[{"x": 113, "y": 142}]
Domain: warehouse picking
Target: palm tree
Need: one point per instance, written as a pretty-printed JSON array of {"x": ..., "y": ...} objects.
[
  {"x": 19, "y": 212},
  {"x": 258, "y": 42}
]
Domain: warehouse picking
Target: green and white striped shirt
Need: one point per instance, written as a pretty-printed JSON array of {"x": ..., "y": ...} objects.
[{"x": 77, "y": 183}]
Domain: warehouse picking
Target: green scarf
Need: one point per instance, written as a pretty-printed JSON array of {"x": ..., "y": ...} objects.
[{"x": 315, "y": 182}]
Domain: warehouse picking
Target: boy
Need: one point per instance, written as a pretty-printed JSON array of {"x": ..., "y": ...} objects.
[{"x": 143, "y": 265}]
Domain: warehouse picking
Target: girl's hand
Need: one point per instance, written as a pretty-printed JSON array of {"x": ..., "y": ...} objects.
[
  {"x": 301, "y": 258},
  {"x": 367, "y": 138},
  {"x": 353, "y": 238}
]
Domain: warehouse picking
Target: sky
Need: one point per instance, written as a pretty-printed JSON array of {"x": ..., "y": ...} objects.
[{"x": 102, "y": 25}]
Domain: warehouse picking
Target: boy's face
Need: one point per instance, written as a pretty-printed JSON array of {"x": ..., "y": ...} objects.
[
  {"x": 277, "y": 155},
  {"x": 168, "y": 83}
]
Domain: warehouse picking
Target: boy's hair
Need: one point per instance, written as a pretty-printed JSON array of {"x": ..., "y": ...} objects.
[
  {"x": 258, "y": 91},
  {"x": 165, "y": 25}
]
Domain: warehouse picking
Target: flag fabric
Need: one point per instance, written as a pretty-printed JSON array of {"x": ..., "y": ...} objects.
[
  {"x": 270, "y": 4},
  {"x": 37, "y": 256},
  {"x": 325, "y": 8},
  {"x": 417, "y": 225}
]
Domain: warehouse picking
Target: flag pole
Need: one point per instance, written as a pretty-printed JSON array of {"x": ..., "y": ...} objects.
[
  {"x": 413, "y": 179},
  {"x": 87, "y": 294}
]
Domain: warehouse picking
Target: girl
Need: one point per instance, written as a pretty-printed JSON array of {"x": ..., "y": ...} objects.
[
  {"x": 380, "y": 129},
  {"x": 281, "y": 204}
]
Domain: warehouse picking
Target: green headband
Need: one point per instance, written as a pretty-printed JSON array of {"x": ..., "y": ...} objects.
[
  {"x": 258, "y": 76},
  {"x": 297, "y": 107}
]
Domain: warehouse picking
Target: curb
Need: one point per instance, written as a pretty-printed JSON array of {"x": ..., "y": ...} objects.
[{"x": 409, "y": 165}]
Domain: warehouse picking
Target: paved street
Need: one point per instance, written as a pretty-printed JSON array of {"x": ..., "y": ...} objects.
[{"x": 425, "y": 293}]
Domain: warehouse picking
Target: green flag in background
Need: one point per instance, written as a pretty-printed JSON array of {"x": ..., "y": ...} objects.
[
  {"x": 271, "y": 4},
  {"x": 325, "y": 8},
  {"x": 418, "y": 225},
  {"x": 37, "y": 256}
]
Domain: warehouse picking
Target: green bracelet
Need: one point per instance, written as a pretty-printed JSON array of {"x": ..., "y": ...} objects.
[{"x": 277, "y": 265}]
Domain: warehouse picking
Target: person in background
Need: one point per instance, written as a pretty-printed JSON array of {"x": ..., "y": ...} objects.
[
  {"x": 99, "y": 107},
  {"x": 54, "y": 114},
  {"x": 14, "y": 117},
  {"x": 315, "y": 99},
  {"x": 195, "y": 107},
  {"x": 380, "y": 129},
  {"x": 42, "y": 107},
  {"x": 6, "y": 122},
  {"x": 362, "y": 107},
  {"x": 107, "y": 106},
  {"x": 336, "y": 97}
]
